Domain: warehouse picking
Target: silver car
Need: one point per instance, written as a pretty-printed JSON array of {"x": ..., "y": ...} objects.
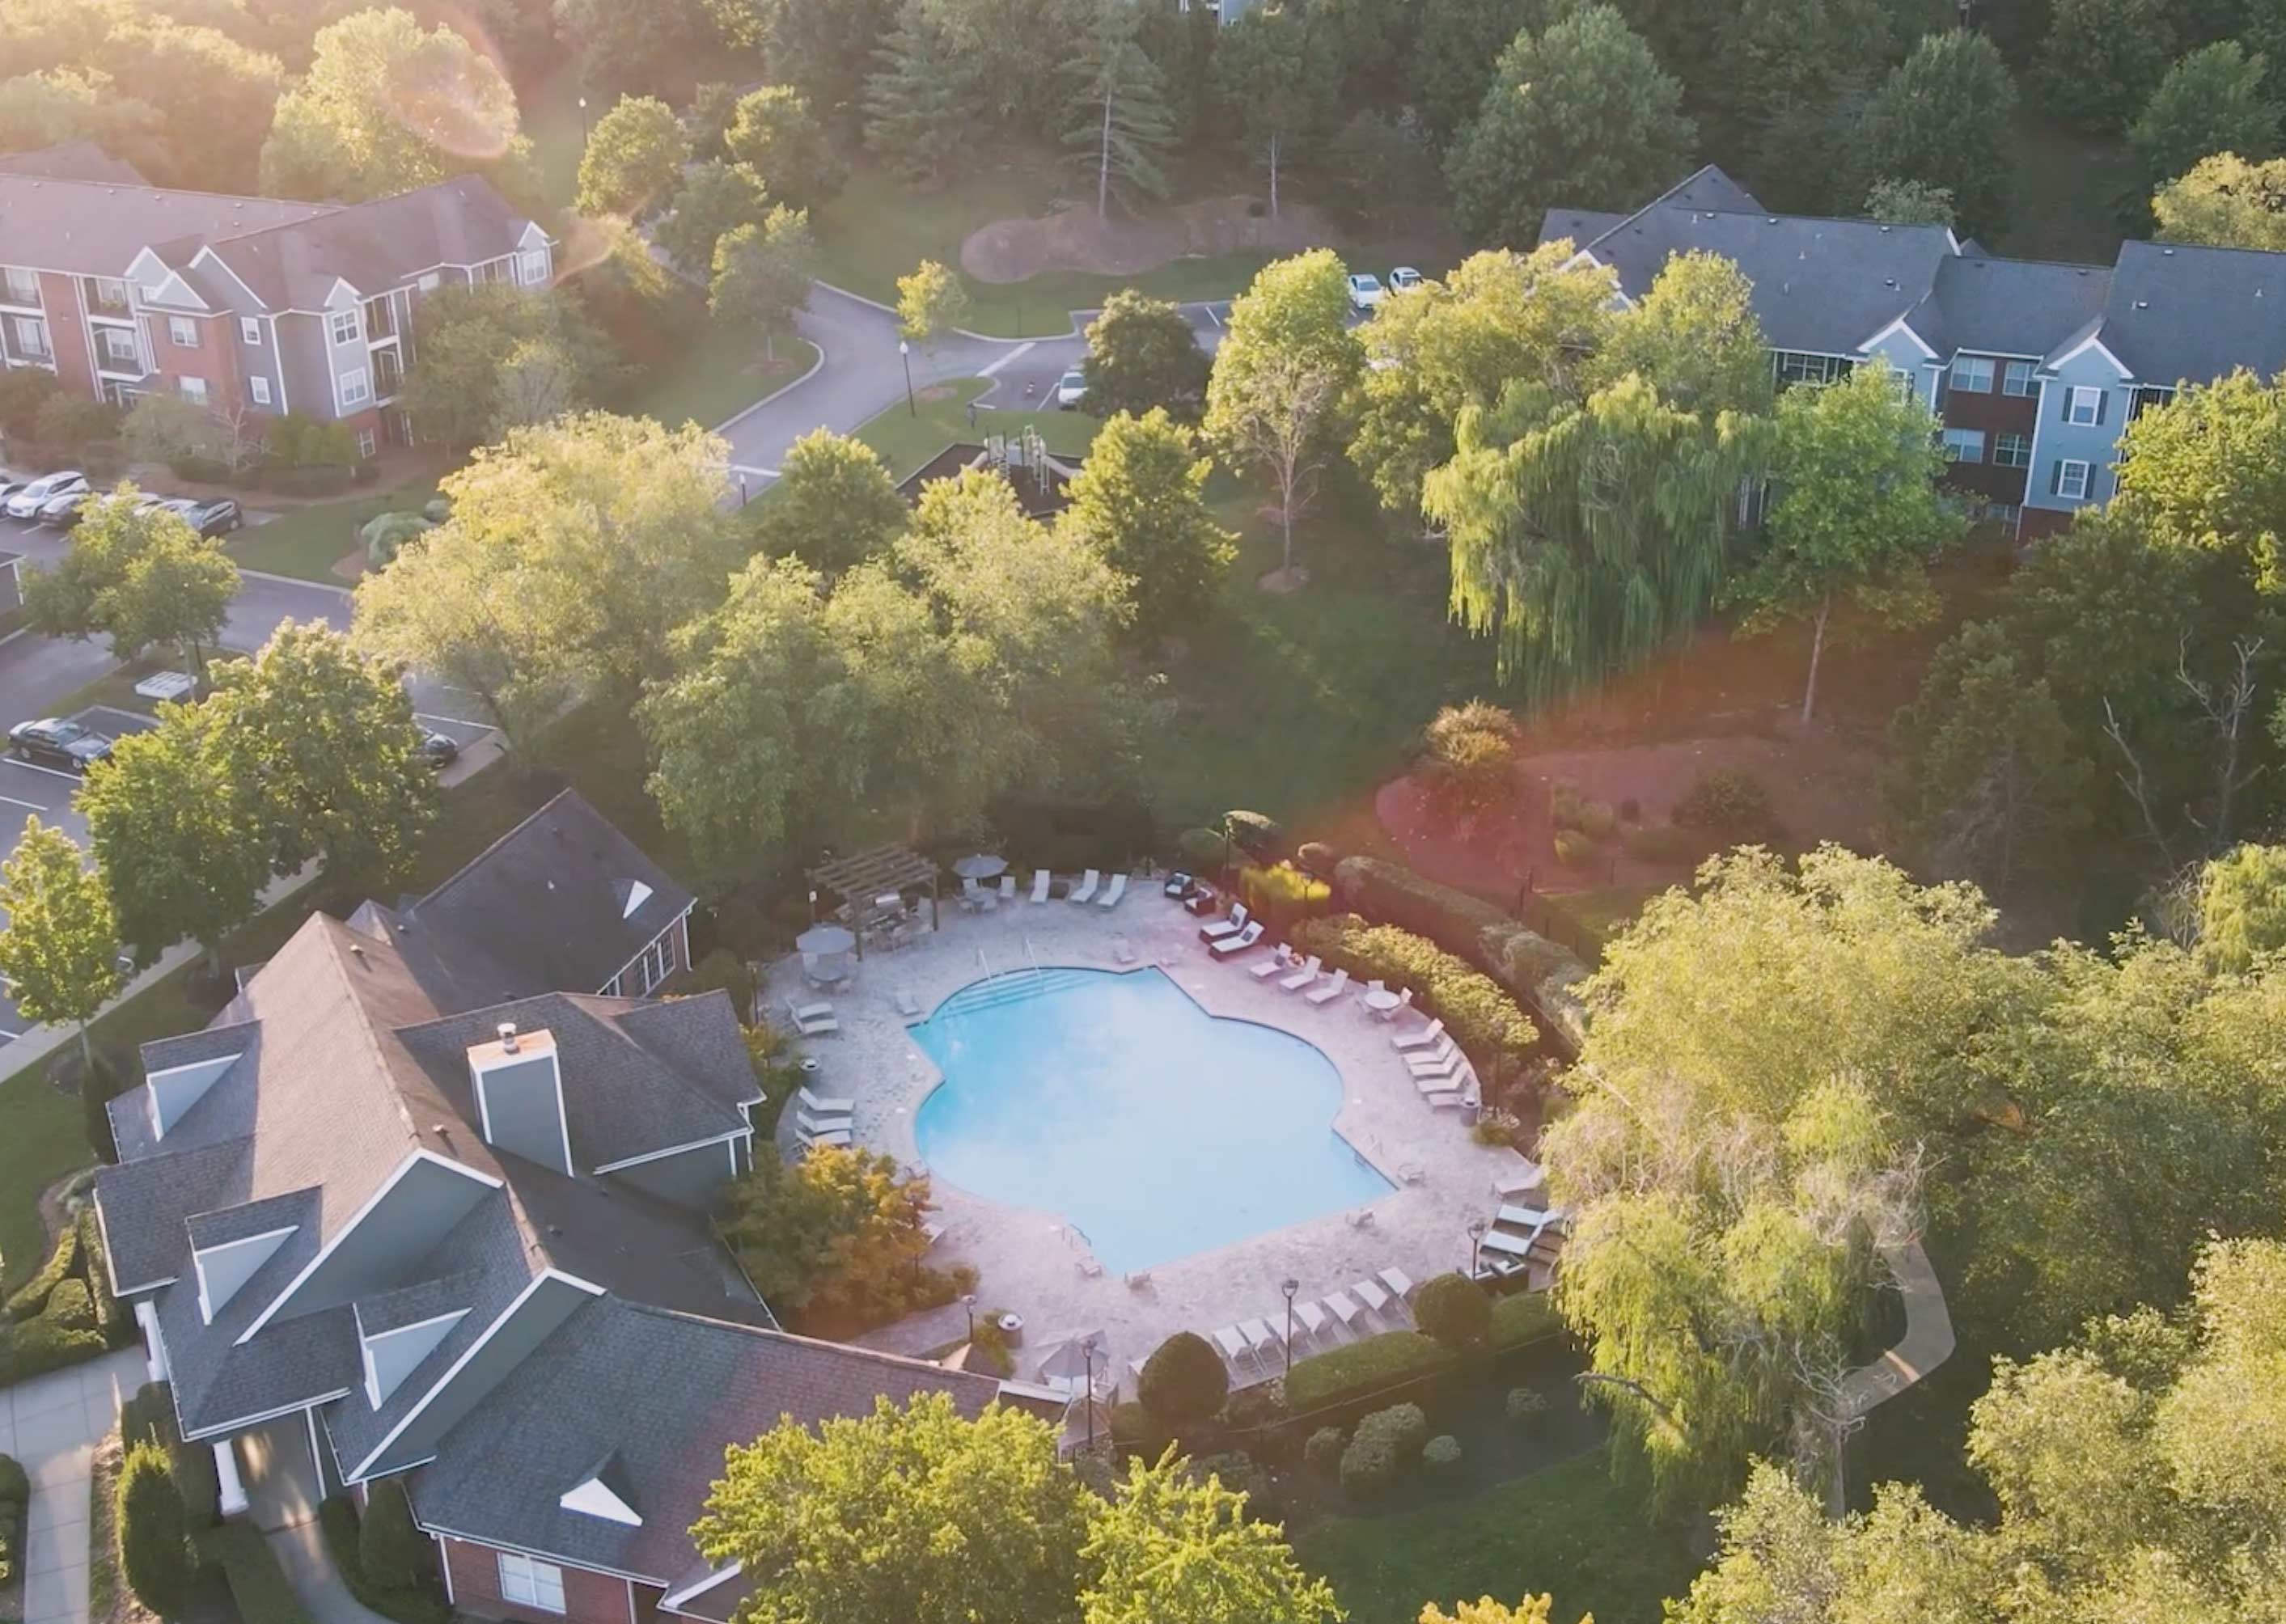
[{"x": 27, "y": 503}]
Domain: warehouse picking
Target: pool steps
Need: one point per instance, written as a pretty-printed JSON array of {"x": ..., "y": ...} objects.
[{"x": 1010, "y": 986}]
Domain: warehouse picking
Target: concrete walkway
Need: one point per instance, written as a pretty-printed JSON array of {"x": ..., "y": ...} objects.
[
  {"x": 310, "y": 1569},
  {"x": 51, "y": 1424}
]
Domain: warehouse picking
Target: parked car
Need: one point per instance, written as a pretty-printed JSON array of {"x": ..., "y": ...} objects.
[
  {"x": 54, "y": 742},
  {"x": 210, "y": 519},
  {"x": 27, "y": 501},
  {"x": 9, "y": 487},
  {"x": 1366, "y": 291},
  {"x": 440, "y": 750},
  {"x": 1071, "y": 388},
  {"x": 64, "y": 511},
  {"x": 1405, "y": 278}
]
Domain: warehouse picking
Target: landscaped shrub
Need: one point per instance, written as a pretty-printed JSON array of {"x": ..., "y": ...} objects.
[
  {"x": 195, "y": 469},
  {"x": 1596, "y": 820},
  {"x": 1526, "y": 1404},
  {"x": 154, "y": 1546},
  {"x": 1184, "y": 1381},
  {"x": 31, "y": 1297},
  {"x": 1522, "y": 1317},
  {"x": 1729, "y": 804},
  {"x": 338, "y": 1518},
  {"x": 1469, "y": 763},
  {"x": 23, "y": 391},
  {"x": 112, "y": 1317},
  {"x": 1240, "y": 1473},
  {"x": 1362, "y": 1367},
  {"x": 1573, "y": 849},
  {"x": 148, "y": 1416},
  {"x": 1367, "y": 1465},
  {"x": 1454, "y": 1309},
  {"x": 1317, "y": 858},
  {"x": 1402, "y": 1426},
  {"x": 72, "y": 423},
  {"x": 70, "y": 1308},
  {"x": 1283, "y": 894},
  {"x": 1322, "y": 1454},
  {"x": 297, "y": 440},
  {"x": 1253, "y": 1406},
  {"x": 1481, "y": 1016},
  {"x": 1496, "y": 1127},
  {"x": 384, "y": 535},
  {"x": 257, "y": 1584},
  {"x": 1663, "y": 843},
  {"x": 1258, "y": 835},
  {"x": 37, "y": 1346},
  {"x": 1202, "y": 850},
  {"x": 391, "y": 1552},
  {"x": 1442, "y": 1451},
  {"x": 1135, "y": 1428}
]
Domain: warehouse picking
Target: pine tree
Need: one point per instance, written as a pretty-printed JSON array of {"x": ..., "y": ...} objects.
[
  {"x": 919, "y": 102},
  {"x": 1120, "y": 121}
]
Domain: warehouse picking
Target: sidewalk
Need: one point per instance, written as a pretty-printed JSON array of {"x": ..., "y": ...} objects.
[{"x": 51, "y": 1425}]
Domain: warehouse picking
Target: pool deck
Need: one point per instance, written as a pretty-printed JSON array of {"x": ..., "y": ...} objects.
[{"x": 1027, "y": 1260}]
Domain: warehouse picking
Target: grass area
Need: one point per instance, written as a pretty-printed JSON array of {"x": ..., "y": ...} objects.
[
  {"x": 551, "y": 112},
  {"x": 719, "y": 374},
  {"x": 1596, "y": 917},
  {"x": 1570, "y": 1530},
  {"x": 2070, "y": 189},
  {"x": 306, "y": 542},
  {"x": 879, "y": 229},
  {"x": 907, "y": 440}
]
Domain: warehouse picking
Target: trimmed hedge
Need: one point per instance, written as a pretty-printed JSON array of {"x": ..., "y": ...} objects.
[
  {"x": 55, "y": 1318},
  {"x": 1442, "y": 1451},
  {"x": 31, "y": 1298},
  {"x": 1525, "y": 1316},
  {"x": 256, "y": 1582},
  {"x": 1454, "y": 1309},
  {"x": 113, "y": 1317},
  {"x": 70, "y": 1307},
  {"x": 1322, "y": 1454},
  {"x": 154, "y": 1546},
  {"x": 1258, "y": 834},
  {"x": 149, "y": 1415},
  {"x": 1479, "y": 1014},
  {"x": 1360, "y": 1368}
]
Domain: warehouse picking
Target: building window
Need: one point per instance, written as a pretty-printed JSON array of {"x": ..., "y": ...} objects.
[
  {"x": 193, "y": 390},
  {"x": 111, "y": 293},
  {"x": 2084, "y": 407},
  {"x": 181, "y": 332},
  {"x": 2071, "y": 480},
  {"x": 1973, "y": 372},
  {"x": 2013, "y": 451},
  {"x": 2019, "y": 380},
  {"x": 367, "y": 444},
  {"x": 119, "y": 348},
  {"x": 343, "y": 324},
  {"x": 357, "y": 388},
  {"x": 32, "y": 338},
  {"x": 2148, "y": 396},
  {"x": 1796, "y": 367},
  {"x": 259, "y": 386},
  {"x": 1963, "y": 445},
  {"x": 23, "y": 286},
  {"x": 537, "y": 1585},
  {"x": 250, "y": 330},
  {"x": 531, "y": 267}
]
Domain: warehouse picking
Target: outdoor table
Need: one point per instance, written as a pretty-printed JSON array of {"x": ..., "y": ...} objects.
[{"x": 1381, "y": 999}]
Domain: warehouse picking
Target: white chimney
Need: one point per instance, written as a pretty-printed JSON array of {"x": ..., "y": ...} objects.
[{"x": 507, "y": 1036}]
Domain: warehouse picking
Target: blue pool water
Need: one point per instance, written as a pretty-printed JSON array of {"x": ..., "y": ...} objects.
[{"x": 1120, "y": 1105}]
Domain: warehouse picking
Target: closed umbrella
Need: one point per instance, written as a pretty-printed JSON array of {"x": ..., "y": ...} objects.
[{"x": 1075, "y": 1360}]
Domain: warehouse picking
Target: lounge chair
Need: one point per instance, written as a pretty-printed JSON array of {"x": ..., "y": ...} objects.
[
  {"x": 1517, "y": 1175},
  {"x": 908, "y": 1006},
  {"x": 1007, "y": 892},
  {"x": 824, "y": 1106},
  {"x": 1404, "y": 1001},
  {"x": 1420, "y": 1039},
  {"x": 1112, "y": 892},
  {"x": 1362, "y": 1219},
  {"x": 1431, "y": 1084},
  {"x": 1311, "y": 1316},
  {"x": 1441, "y": 1064},
  {"x": 1214, "y": 930},
  {"x": 1084, "y": 892},
  {"x": 1230, "y": 946},
  {"x": 1330, "y": 990},
  {"x": 815, "y": 1022},
  {"x": 1338, "y": 1305},
  {"x": 1304, "y": 976},
  {"x": 1281, "y": 959},
  {"x": 813, "y": 1135},
  {"x": 1521, "y": 1217},
  {"x": 1400, "y": 1285},
  {"x": 1041, "y": 881},
  {"x": 1258, "y": 1333},
  {"x": 1501, "y": 1241},
  {"x": 1372, "y": 1295},
  {"x": 1233, "y": 1343},
  {"x": 1090, "y": 1269},
  {"x": 827, "y": 1124}
]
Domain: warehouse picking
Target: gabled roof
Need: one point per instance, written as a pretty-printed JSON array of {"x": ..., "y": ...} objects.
[
  {"x": 90, "y": 228},
  {"x": 2021, "y": 307},
  {"x": 373, "y": 246},
  {"x": 2177, "y": 311},
  {"x": 73, "y": 161}
]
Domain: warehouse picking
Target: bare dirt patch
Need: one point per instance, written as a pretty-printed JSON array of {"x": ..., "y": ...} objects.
[
  {"x": 1075, "y": 239},
  {"x": 351, "y": 566}
]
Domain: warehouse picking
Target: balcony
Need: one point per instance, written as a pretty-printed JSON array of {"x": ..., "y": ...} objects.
[
  {"x": 388, "y": 374},
  {"x": 21, "y": 289},
  {"x": 106, "y": 300}
]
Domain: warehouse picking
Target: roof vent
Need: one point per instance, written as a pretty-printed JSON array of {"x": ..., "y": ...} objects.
[
  {"x": 358, "y": 950},
  {"x": 507, "y": 1036},
  {"x": 2142, "y": 305},
  {"x": 1890, "y": 281},
  {"x": 1773, "y": 220},
  {"x": 1885, "y": 229},
  {"x": 2169, "y": 253}
]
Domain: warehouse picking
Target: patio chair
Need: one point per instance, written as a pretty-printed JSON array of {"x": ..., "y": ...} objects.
[
  {"x": 1401, "y": 1285},
  {"x": 1041, "y": 881},
  {"x": 1434, "y": 1086},
  {"x": 1112, "y": 892},
  {"x": 1420, "y": 1039},
  {"x": 1090, "y": 1269},
  {"x": 1178, "y": 886},
  {"x": 1372, "y": 1295},
  {"x": 1304, "y": 976},
  {"x": 1258, "y": 1332},
  {"x": 1233, "y": 1343},
  {"x": 972, "y": 895},
  {"x": 1404, "y": 1002},
  {"x": 813, "y": 1135},
  {"x": 1338, "y": 1305},
  {"x": 1331, "y": 990},
  {"x": 1214, "y": 930},
  {"x": 1362, "y": 1219},
  {"x": 810, "y": 1023},
  {"x": 1281, "y": 958},
  {"x": 1122, "y": 950},
  {"x": 1084, "y": 892},
  {"x": 1008, "y": 890},
  {"x": 1231, "y": 946},
  {"x": 1440, "y": 1063},
  {"x": 826, "y": 1106},
  {"x": 1521, "y": 1217},
  {"x": 1311, "y": 1316},
  {"x": 1501, "y": 1241}
]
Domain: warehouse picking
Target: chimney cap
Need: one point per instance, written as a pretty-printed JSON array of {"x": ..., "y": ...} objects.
[{"x": 507, "y": 1036}]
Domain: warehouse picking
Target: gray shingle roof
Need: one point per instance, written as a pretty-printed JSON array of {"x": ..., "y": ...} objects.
[
  {"x": 93, "y": 228},
  {"x": 375, "y": 246},
  {"x": 2177, "y": 311},
  {"x": 498, "y": 1476},
  {"x": 143, "y": 1203},
  {"x": 2008, "y": 306}
]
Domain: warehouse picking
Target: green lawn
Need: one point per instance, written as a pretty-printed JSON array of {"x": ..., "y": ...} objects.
[
  {"x": 1569, "y": 1531},
  {"x": 1598, "y": 916},
  {"x": 307, "y": 543},
  {"x": 907, "y": 438},
  {"x": 879, "y": 229},
  {"x": 718, "y": 375},
  {"x": 2068, "y": 193}
]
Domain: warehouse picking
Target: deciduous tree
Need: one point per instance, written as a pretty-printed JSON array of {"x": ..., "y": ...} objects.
[
  {"x": 775, "y": 134},
  {"x": 1694, "y": 337},
  {"x": 931, "y": 302},
  {"x": 634, "y": 159},
  {"x": 1909, "y": 202},
  {"x": 1276, "y": 73},
  {"x": 2102, "y": 59},
  {"x": 1169, "y": 1545},
  {"x": 144, "y": 580},
  {"x": 2227, "y": 202},
  {"x": 2241, "y": 908},
  {"x": 2214, "y": 100},
  {"x": 493, "y": 357},
  {"x": 714, "y": 200},
  {"x": 762, "y": 274},
  {"x": 1139, "y": 502},
  {"x": 834, "y": 506},
  {"x": 59, "y": 949},
  {"x": 824, "y": 51},
  {"x": 838, "y": 1231},
  {"x": 1457, "y": 39},
  {"x": 1141, "y": 353},
  {"x": 1942, "y": 118}
]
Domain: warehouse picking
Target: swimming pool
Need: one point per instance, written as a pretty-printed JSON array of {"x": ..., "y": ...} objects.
[{"x": 1117, "y": 1103}]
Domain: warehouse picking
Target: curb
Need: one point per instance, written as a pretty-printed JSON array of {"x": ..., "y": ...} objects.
[
  {"x": 744, "y": 412},
  {"x": 1072, "y": 328}
]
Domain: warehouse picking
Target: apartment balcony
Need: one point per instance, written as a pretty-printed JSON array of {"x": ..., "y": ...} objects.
[
  {"x": 20, "y": 290},
  {"x": 106, "y": 300}
]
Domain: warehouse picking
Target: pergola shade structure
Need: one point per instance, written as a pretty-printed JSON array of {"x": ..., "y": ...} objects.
[{"x": 861, "y": 878}]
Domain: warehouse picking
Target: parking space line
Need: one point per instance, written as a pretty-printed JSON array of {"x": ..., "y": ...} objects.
[
  {"x": 458, "y": 722},
  {"x": 52, "y": 772},
  {"x": 29, "y": 805}
]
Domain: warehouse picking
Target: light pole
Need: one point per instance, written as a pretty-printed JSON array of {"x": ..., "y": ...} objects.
[
  {"x": 1476, "y": 1242},
  {"x": 1289, "y": 1286},
  {"x": 583, "y": 121},
  {"x": 905, "y": 354},
  {"x": 968, "y": 1301}
]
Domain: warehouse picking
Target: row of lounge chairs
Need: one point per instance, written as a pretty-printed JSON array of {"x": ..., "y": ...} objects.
[
  {"x": 1519, "y": 1238},
  {"x": 823, "y": 1119},
  {"x": 1383, "y": 1295}
]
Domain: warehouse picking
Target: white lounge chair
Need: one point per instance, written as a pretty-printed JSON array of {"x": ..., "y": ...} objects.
[
  {"x": 1372, "y": 1295},
  {"x": 1400, "y": 1285},
  {"x": 907, "y": 1005},
  {"x": 1214, "y": 930},
  {"x": 1041, "y": 881},
  {"x": 813, "y": 1135},
  {"x": 815, "y": 1022},
  {"x": 1008, "y": 889},
  {"x": 824, "y": 1106},
  {"x": 1311, "y": 1316},
  {"x": 1442, "y": 1061},
  {"x": 1281, "y": 960},
  {"x": 1084, "y": 892},
  {"x": 1304, "y": 976},
  {"x": 1500, "y": 1240},
  {"x": 827, "y": 1124},
  {"x": 1330, "y": 990},
  {"x": 1112, "y": 892},
  {"x": 1420, "y": 1039},
  {"x": 1258, "y": 1333},
  {"x": 1230, "y": 945},
  {"x": 1338, "y": 1305},
  {"x": 1404, "y": 1001},
  {"x": 1521, "y": 1217},
  {"x": 1233, "y": 1343},
  {"x": 1432, "y": 1085}
]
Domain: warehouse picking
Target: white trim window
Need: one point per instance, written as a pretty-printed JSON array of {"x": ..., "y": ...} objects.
[
  {"x": 258, "y": 387},
  {"x": 537, "y": 1585},
  {"x": 1973, "y": 373},
  {"x": 357, "y": 387},
  {"x": 429, "y": 281},
  {"x": 120, "y": 349},
  {"x": 2012, "y": 451},
  {"x": 23, "y": 286},
  {"x": 2071, "y": 479},
  {"x": 249, "y": 330},
  {"x": 344, "y": 326},
  {"x": 531, "y": 267},
  {"x": 1805, "y": 366},
  {"x": 181, "y": 332},
  {"x": 32, "y": 338},
  {"x": 651, "y": 967},
  {"x": 2083, "y": 406},
  {"x": 367, "y": 442},
  {"x": 1963, "y": 445},
  {"x": 2019, "y": 379},
  {"x": 193, "y": 390}
]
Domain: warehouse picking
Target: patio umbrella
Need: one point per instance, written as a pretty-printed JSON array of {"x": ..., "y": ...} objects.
[
  {"x": 982, "y": 865},
  {"x": 825, "y": 939},
  {"x": 1078, "y": 1360}
]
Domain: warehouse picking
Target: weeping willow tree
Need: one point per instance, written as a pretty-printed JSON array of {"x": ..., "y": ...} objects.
[{"x": 1587, "y": 542}]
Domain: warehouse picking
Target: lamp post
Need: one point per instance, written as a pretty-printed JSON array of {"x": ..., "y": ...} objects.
[
  {"x": 1477, "y": 1227},
  {"x": 968, "y": 1301},
  {"x": 905, "y": 354},
  {"x": 583, "y": 121},
  {"x": 1289, "y": 1286}
]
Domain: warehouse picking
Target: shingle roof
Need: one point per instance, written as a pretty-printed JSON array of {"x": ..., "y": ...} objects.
[
  {"x": 91, "y": 228},
  {"x": 73, "y": 161},
  {"x": 2008, "y": 306},
  {"x": 2179, "y": 311},
  {"x": 373, "y": 246},
  {"x": 498, "y": 1476}
]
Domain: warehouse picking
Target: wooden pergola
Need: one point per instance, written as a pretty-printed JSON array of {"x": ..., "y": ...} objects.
[{"x": 860, "y": 878}]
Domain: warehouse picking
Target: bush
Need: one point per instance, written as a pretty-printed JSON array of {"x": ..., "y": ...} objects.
[
  {"x": 1565, "y": 804},
  {"x": 1573, "y": 849},
  {"x": 1469, "y": 765},
  {"x": 72, "y": 423},
  {"x": 1482, "y": 1017},
  {"x": 37, "y": 1346},
  {"x": 1183, "y": 1382},
  {"x": 1283, "y": 894},
  {"x": 296, "y": 440},
  {"x": 154, "y": 1545},
  {"x": 384, "y": 535},
  {"x": 436, "y": 509},
  {"x": 1596, "y": 820},
  {"x": 1497, "y": 1127},
  {"x": 1729, "y": 804},
  {"x": 257, "y": 1584},
  {"x": 1401, "y": 1426},
  {"x": 1317, "y": 858},
  {"x": 1253, "y": 1406},
  {"x": 1322, "y": 1454},
  {"x": 196, "y": 470},
  {"x": 724, "y": 970},
  {"x": 1367, "y": 1465},
  {"x": 1454, "y": 1310},
  {"x": 1442, "y": 1451},
  {"x": 1257, "y": 835},
  {"x": 1523, "y": 1317},
  {"x": 31, "y": 1298},
  {"x": 1137, "y": 1429},
  {"x": 1526, "y": 1404},
  {"x": 1202, "y": 850},
  {"x": 15, "y": 1487},
  {"x": 1662, "y": 843},
  {"x": 70, "y": 1307},
  {"x": 112, "y": 1317},
  {"x": 1362, "y": 1367},
  {"x": 1240, "y": 1473}
]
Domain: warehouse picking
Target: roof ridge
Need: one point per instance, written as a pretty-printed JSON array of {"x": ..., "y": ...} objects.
[
  {"x": 332, "y": 210},
  {"x": 1627, "y": 217},
  {"x": 2061, "y": 264}
]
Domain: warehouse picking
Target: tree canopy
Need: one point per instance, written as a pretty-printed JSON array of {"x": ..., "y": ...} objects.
[
  {"x": 762, "y": 275},
  {"x": 1119, "y": 127},
  {"x": 1139, "y": 503},
  {"x": 633, "y": 159},
  {"x": 1943, "y": 118},
  {"x": 2214, "y": 100},
  {"x": 775, "y": 134},
  {"x": 1168, "y": 1544},
  {"x": 139, "y": 576},
  {"x": 2226, "y": 201},
  {"x": 834, "y": 506},
  {"x": 2102, "y": 59},
  {"x": 1141, "y": 354},
  {"x": 59, "y": 948}
]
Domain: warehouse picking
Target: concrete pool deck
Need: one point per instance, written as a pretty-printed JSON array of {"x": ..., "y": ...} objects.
[{"x": 1028, "y": 1262}]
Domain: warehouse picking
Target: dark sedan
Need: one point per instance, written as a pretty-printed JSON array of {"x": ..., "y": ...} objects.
[
  {"x": 54, "y": 742},
  {"x": 440, "y": 750},
  {"x": 210, "y": 519}
]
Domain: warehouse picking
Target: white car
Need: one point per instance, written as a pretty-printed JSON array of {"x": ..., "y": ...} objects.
[
  {"x": 27, "y": 503},
  {"x": 1366, "y": 291},
  {"x": 1405, "y": 278},
  {"x": 1071, "y": 388}
]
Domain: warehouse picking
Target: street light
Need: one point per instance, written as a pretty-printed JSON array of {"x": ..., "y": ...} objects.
[
  {"x": 1289, "y": 1286},
  {"x": 583, "y": 121},
  {"x": 905, "y": 354},
  {"x": 1477, "y": 1227},
  {"x": 967, "y": 1301}
]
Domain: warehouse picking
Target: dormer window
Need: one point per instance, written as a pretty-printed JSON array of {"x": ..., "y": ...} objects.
[
  {"x": 224, "y": 1268},
  {"x": 392, "y": 1355}
]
